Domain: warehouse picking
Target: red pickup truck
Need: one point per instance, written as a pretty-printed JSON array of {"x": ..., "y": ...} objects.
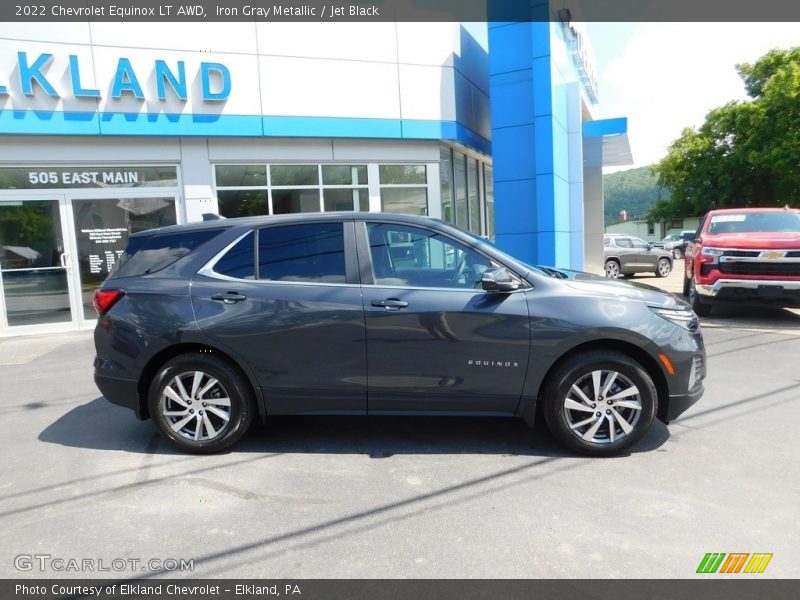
[{"x": 744, "y": 255}]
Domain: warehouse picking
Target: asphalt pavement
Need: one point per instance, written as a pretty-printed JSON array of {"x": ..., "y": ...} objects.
[{"x": 323, "y": 497}]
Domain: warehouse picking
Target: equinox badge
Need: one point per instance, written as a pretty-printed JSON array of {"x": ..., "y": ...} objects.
[{"x": 493, "y": 363}]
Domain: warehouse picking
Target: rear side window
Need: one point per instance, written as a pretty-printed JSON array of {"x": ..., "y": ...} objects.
[
  {"x": 312, "y": 252},
  {"x": 148, "y": 254},
  {"x": 239, "y": 261}
]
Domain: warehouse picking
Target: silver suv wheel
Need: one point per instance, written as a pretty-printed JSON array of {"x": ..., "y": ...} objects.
[
  {"x": 602, "y": 407},
  {"x": 196, "y": 406}
]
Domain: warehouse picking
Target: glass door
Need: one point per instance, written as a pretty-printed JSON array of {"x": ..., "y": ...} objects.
[
  {"x": 102, "y": 225},
  {"x": 35, "y": 270}
]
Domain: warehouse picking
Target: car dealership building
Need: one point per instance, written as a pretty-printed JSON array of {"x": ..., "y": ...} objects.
[{"x": 111, "y": 128}]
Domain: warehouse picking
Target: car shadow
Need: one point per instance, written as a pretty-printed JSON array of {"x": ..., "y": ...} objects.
[{"x": 100, "y": 425}]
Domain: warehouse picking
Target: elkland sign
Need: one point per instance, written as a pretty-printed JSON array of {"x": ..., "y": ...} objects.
[{"x": 34, "y": 79}]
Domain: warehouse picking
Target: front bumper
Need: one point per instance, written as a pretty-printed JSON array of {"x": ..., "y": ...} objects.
[
  {"x": 772, "y": 290},
  {"x": 680, "y": 404}
]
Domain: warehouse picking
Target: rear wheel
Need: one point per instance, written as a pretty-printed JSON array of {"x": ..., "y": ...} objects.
[
  {"x": 677, "y": 254},
  {"x": 600, "y": 403},
  {"x": 663, "y": 268},
  {"x": 200, "y": 403},
  {"x": 612, "y": 269},
  {"x": 702, "y": 309}
]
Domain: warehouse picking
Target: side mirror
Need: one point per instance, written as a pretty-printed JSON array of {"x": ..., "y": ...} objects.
[{"x": 498, "y": 280}]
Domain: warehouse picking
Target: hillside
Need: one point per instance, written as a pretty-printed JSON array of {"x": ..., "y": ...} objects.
[{"x": 634, "y": 190}]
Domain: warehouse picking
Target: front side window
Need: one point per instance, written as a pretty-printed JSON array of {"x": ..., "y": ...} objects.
[
  {"x": 640, "y": 244},
  {"x": 414, "y": 257},
  {"x": 624, "y": 243},
  {"x": 312, "y": 252}
]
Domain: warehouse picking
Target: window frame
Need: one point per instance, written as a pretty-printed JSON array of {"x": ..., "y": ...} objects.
[{"x": 350, "y": 255}]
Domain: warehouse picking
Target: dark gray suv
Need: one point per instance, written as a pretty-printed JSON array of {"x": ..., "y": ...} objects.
[{"x": 204, "y": 327}]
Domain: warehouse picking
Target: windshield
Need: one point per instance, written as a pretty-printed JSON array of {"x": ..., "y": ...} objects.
[
  {"x": 750, "y": 222},
  {"x": 671, "y": 237}
]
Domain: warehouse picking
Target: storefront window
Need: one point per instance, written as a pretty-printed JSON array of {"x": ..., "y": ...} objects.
[
  {"x": 404, "y": 189},
  {"x": 102, "y": 227},
  {"x": 473, "y": 196},
  {"x": 295, "y": 201},
  {"x": 405, "y": 200},
  {"x": 446, "y": 184},
  {"x": 488, "y": 188},
  {"x": 243, "y": 203},
  {"x": 460, "y": 176},
  {"x": 245, "y": 190},
  {"x": 241, "y": 175},
  {"x": 345, "y": 199},
  {"x": 344, "y": 174},
  {"x": 403, "y": 174},
  {"x": 33, "y": 278},
  {"x": 291, "y": 175}
]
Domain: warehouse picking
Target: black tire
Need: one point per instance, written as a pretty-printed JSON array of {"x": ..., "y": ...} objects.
[
  {"x": 558, "y": 388},
  {"x": 677, "y": 254},
  {"x": 612, "y": 269},
  {"x": 685, "y": 286},
  {"x": 231, "y": 384},
  {"x": 702, "y": 309},
  {"x": 663, "y": 267}
]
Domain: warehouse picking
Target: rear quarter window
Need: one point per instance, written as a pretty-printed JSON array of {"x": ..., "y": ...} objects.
[{"x": 148, "y": 254}]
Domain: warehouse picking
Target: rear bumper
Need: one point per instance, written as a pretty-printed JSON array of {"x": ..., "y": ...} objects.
[
  {"x": 779, "y": 291},
  {"x": 122, "y": 392},
  {"x": 681, "y": 403}
]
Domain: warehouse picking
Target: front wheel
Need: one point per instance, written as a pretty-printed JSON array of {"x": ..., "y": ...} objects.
[
  {"x": 200, "y": 403},
  {"x": 698, "y": 306},
  {"x": 677, "y": 254},
  {"x": 600, "y": 403},
  {"x": 663, "y": 268}
]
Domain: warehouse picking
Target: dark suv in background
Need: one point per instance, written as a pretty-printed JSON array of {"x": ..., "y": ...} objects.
[
  {"x": 205, "y": 326},
  {"x": 676, "y": 243}
]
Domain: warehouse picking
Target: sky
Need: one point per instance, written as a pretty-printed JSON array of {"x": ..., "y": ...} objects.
[{"x": 667, "y": 76}]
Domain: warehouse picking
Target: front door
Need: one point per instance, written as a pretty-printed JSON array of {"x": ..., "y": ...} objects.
[
  {"x": 436, "y": 341},
  {"x": 36, "y": 287}
]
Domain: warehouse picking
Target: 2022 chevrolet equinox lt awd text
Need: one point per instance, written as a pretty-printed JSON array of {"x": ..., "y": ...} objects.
[{"x": 205, "y": 326}]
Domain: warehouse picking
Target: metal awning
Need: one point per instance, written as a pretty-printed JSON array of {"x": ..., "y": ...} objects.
[{"x": 606, "y": 143}]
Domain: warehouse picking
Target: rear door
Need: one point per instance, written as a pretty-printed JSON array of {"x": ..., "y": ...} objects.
[
  {"x": 646, "y": 257},
  {"x": 285, "y": 299},
  {"x": 436, "y": 341}
]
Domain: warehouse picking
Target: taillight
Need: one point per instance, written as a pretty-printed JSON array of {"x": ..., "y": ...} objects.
[{"x": 105, "y": 299}]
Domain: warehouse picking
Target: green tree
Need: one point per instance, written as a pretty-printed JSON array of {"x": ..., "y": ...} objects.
[{"x": 745, "y": 153}]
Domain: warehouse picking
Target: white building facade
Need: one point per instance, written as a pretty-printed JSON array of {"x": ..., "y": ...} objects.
[{"x": 107, "y": 129}]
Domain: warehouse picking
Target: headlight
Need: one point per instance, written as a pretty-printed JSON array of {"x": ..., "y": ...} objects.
[
  {"x": 681, "y": 317},
  {"x": 712, "y": 251}
]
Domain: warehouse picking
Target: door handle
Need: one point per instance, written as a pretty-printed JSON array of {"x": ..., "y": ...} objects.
[
  {"x": 390, "y": 304},
  {"x": 63, "y": 258},
  {"x": 229, "y": 297}
]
